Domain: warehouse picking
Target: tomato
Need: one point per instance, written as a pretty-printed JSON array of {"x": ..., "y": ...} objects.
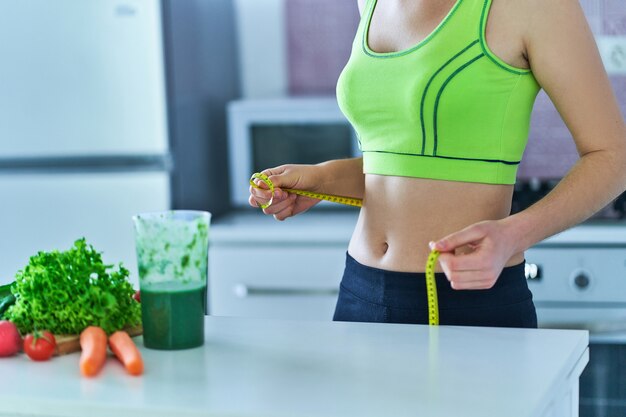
[
  {"x": 10, "y": 339},
  {"x": 40, "y": 346},
  {"x": 137, "y": 296}
]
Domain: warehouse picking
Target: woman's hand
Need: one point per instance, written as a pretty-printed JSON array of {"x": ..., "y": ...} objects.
[
  {"x": 474, "y": 257},
  {"x": 299, "y": 177}
]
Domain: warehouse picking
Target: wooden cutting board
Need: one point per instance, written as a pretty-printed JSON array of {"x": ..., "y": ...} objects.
[{"x": 68, "y": 343}]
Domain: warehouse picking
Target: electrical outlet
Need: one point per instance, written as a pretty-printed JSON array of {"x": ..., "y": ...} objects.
[{"x": 613, "y": 53}]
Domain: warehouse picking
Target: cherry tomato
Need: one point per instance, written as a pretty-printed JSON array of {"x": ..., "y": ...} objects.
[
  {"x": 40, "y": 345},
  {"x": 137, "y": 296},
  {"x": 10, "y": 339}
]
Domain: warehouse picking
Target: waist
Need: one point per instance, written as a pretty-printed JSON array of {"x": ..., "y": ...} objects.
[
  {"x": 408, "y": 289},
  {"x": 401, "y": 215}
]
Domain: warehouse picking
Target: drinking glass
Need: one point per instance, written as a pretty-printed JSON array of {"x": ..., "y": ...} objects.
[{"x": 172, "y": 258}]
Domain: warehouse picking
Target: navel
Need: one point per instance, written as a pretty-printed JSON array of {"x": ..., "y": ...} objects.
[{"x": 385, "y": 247}]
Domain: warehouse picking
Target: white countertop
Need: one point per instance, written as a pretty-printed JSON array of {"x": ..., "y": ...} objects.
[{"x": 254, "y": 367}]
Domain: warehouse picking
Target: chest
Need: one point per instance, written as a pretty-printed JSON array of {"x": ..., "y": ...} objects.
[{"x": 397, "y": 25}]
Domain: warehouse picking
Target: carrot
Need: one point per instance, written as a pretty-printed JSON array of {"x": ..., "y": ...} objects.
[
  {"x": 124, "y": 348},
  {"x": 93, "y": 342}
]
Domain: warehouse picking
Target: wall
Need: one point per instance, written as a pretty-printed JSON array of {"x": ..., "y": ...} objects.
[
  {"x": 262, "y": 47},
  {"x": 319, "y": 38}
]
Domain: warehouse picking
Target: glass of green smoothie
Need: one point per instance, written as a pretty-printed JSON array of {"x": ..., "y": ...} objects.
[{"x": 172, "y": 256}]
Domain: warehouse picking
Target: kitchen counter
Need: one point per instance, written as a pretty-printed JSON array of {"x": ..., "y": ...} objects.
[{"x": 257, "y": 367}]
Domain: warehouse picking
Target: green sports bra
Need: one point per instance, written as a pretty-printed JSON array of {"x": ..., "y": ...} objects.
[{"x": 446, "y": 108}]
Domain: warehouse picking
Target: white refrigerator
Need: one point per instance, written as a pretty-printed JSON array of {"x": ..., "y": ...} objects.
[{"x": 83, "y": 126}]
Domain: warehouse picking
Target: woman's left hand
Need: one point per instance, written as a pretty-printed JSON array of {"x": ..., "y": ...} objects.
[{"x": 491, "y": 245}]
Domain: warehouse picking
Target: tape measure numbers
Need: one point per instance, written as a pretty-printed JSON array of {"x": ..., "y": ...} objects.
[
  {"x": 431, "y": 289},
  {"x": 431, "y": 285}
]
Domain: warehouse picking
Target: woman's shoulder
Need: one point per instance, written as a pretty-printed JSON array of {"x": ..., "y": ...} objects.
[
  {"x": 545, "y": 10},
  {"x": 526, "y": 18},
  {"x": 526, "y": 10}
]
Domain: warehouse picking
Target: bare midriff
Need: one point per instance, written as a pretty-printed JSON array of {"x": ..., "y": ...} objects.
[{"x": 400, "y": 215}]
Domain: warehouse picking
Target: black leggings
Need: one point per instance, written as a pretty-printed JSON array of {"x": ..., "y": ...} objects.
[{"x": 370, "y": 294}]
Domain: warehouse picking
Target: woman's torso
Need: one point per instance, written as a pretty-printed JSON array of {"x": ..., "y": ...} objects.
[{"x": 400, "y": 215}]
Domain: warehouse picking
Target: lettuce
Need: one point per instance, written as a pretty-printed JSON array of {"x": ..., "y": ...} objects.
[{"x": 64, "y": 292}]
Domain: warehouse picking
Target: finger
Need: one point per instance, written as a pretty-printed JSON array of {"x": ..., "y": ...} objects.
[
  {"x": 273, "y": 171},
  {"x": 260, "y": 195},
  {"x": 468, "y": 276},
  {"x": 268, "y": 179},
  {"x": 283, "y": 181},
  {"x": 274, "y": 175},
  {"x": 472, "y": 285},
  {"x": 463, "y": 237},
  {"x": 283, "y": 214},
  {"x": 252, "y": 201},
  {"x": 279, "y": 205},
  {"x": 263, "y": 191},
  {"x": 257, "y": 201},
  {"x": 474, "y": 261},
  {"x": 453, "y": 273},
  {"x": 259, "y": 183},
  {"x": 465, "y": 276},
  {"x": 266, "y": 194},
  {"x": 261, "y": 198}
]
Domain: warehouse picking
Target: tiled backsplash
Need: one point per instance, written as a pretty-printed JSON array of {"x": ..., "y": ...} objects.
[{"x": 320, "y": 35}]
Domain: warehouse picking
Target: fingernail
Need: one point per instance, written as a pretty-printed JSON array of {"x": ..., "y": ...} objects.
[{"x": 431, "y": 245}]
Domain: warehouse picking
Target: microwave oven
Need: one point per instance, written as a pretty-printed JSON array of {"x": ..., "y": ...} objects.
[{"x": 264, "y": 133}]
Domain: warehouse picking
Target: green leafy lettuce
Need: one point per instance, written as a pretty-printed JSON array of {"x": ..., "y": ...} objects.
[{"x": 64, "y": 292}]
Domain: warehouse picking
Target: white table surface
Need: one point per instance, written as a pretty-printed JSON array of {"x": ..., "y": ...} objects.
[{"x": 254, "y": 367}]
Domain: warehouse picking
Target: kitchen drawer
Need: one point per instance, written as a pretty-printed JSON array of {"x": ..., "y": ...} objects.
[
  {"x": 571, "y": 274},
  {"x": 275, "y": 281},
  {"x": 579, "y": 286}
]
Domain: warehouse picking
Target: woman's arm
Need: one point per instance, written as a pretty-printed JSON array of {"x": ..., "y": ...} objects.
[
  {"x": 343, "y": 177},
  {"x": 338, "y": 177},
  {"x": 565, "y": 61}
]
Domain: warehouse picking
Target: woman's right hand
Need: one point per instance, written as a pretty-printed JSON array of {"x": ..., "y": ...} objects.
[{"x": 298, "y": 177}]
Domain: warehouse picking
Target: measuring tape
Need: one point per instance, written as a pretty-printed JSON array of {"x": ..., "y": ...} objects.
[
  {"x": 356, "y": 202},
  {"x": 431, "y": 289},
  {"x": 431, "y": 285}
]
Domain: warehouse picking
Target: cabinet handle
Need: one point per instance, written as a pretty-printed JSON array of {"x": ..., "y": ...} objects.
[
  {"x": 243, "y": 291},
  {"x": 532, "y": 272}
]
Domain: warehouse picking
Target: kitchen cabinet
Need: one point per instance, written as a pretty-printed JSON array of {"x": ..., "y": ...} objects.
[
  {"x": 260, "y": 267},
  {"x": 261, "y": 367}
]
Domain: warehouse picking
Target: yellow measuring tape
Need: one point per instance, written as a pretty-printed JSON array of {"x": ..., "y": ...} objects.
[
  {"x": 431, "y": 285},
  {"x": 357, "y": 202},
  {"x": 431, "y": 289}
]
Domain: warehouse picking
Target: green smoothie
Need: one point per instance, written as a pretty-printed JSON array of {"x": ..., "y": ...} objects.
[
  {"x": 172, "y": 258},
  {"x": 173, "y": 315}
]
